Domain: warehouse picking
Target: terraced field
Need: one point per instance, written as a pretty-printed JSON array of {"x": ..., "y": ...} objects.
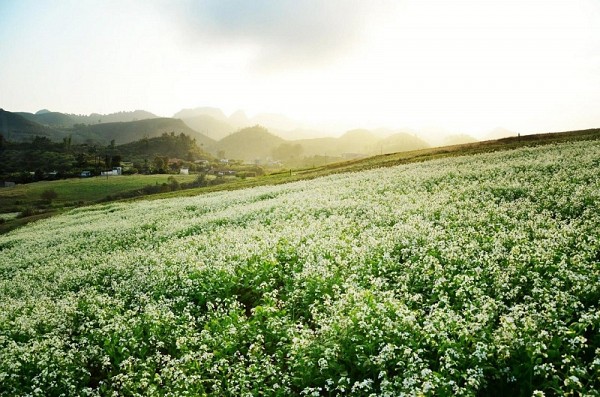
[{"x": 475, "y": 275}]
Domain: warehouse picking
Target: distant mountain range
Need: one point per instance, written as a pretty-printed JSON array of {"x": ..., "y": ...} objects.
[
  {"x": 56, "y": 119},
  {"x": 56, "y": 126},
  {"x": 236, "y": 136},
  {"x": 214, "y": 123}
]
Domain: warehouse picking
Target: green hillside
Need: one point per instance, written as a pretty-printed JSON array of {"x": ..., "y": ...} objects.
[
  {"x": 170, "y": 145},
  {"x": 466, "y": 275},
  {"x": 52, "y": 119},
  {"x": 15, "y": 127},
  {"x": 65, "y": 120},
  {"x": 20, "y": 127},
  {"x": 125, "y": 132}
]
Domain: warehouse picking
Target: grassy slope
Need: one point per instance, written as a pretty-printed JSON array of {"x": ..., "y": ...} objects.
[
  {"x": 390, "y": 160},
  {"x": 86, "y": 189},
  {"x": 71, "y": 191}
]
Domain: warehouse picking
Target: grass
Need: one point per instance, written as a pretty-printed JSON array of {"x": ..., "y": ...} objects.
[{"x": 71, "y": 192}]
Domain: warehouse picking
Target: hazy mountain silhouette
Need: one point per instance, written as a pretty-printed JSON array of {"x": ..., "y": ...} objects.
[
  {"x": 359, "y": 141},
  {"x": 239, "y": 119},
  {"x": 64, "y": 120},
  {"x": 125, "y": 132},
  {"x": 214, "y": 123},
  {"x": 400, "y": 142},
  {"x": 210, "y": 126},
  {"x": 249, "y": 144},
  {"x": 215, "y": 113},
  {"x": 115, "y": 117},
  {"x": 214, "y": 132}
]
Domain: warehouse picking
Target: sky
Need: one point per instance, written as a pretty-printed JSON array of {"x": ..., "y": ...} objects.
[{"x": 461, "y": 66}]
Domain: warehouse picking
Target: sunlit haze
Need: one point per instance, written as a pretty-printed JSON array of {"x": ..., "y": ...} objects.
[{"x": 459, "y": 66}]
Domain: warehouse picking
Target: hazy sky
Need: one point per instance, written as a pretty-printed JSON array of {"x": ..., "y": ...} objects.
[{"x": 466, "y": 66}]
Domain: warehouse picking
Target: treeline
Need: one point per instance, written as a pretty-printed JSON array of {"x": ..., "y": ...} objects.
[{"x": 43, "y": 159}]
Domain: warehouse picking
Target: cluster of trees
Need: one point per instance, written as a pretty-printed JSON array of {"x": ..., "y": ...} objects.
[{"x": 42, "y": 158}]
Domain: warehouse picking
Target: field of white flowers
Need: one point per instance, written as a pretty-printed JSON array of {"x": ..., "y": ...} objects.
[{"x": 474, "y": 275}]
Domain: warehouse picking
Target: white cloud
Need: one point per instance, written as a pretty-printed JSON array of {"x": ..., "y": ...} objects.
[
  {"x": 284, "y": 34},
  {"x": 467, "y": 65}
]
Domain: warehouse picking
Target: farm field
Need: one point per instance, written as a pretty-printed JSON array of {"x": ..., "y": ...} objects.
[
  {"x": 473, "y": 275},
  {"x": 86, "y": 190}
]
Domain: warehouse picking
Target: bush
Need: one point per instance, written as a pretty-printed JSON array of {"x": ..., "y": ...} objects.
[
  {"x": 48, "y": 195},
  {"x": 27, "y": 211}
]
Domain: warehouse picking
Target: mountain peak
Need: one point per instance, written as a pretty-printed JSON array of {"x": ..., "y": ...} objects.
[{"x": 201, "y": 111}]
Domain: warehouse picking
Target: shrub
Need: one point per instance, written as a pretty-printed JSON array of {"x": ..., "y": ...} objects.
[
  {"x": 27, "y": 211},
  {"x": 48, "y": 195}
]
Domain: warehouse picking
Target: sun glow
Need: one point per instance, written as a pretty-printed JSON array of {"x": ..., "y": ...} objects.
[{"x": 466, "y": 66}]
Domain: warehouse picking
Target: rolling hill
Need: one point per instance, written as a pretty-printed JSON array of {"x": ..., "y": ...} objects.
[
  {"x": 213, "y": 122},
  {"x": 360, "y": 142},
  {"x": 125, "y": 132},
  {"x": 210, "y": 126},
  {"x": 214, "y": 131},
  {"x": 52, "y": 119},
  {"x": 249, "y": 144},
  {"x": 15, "y": 127},
  {"x": 400, "y": 142},
  {"x": 21, "y": 126},
  {"x": 179, "y": 146},
  {"x": 65, "y": 120},
  {"x": 215, "y": 113}
]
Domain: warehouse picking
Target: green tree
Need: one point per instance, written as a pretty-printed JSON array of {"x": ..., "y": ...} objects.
[
  {"x": 67, "y": 143},
  {"x": 80, "y": 160},
  {"x": 161, "y": 163}
]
